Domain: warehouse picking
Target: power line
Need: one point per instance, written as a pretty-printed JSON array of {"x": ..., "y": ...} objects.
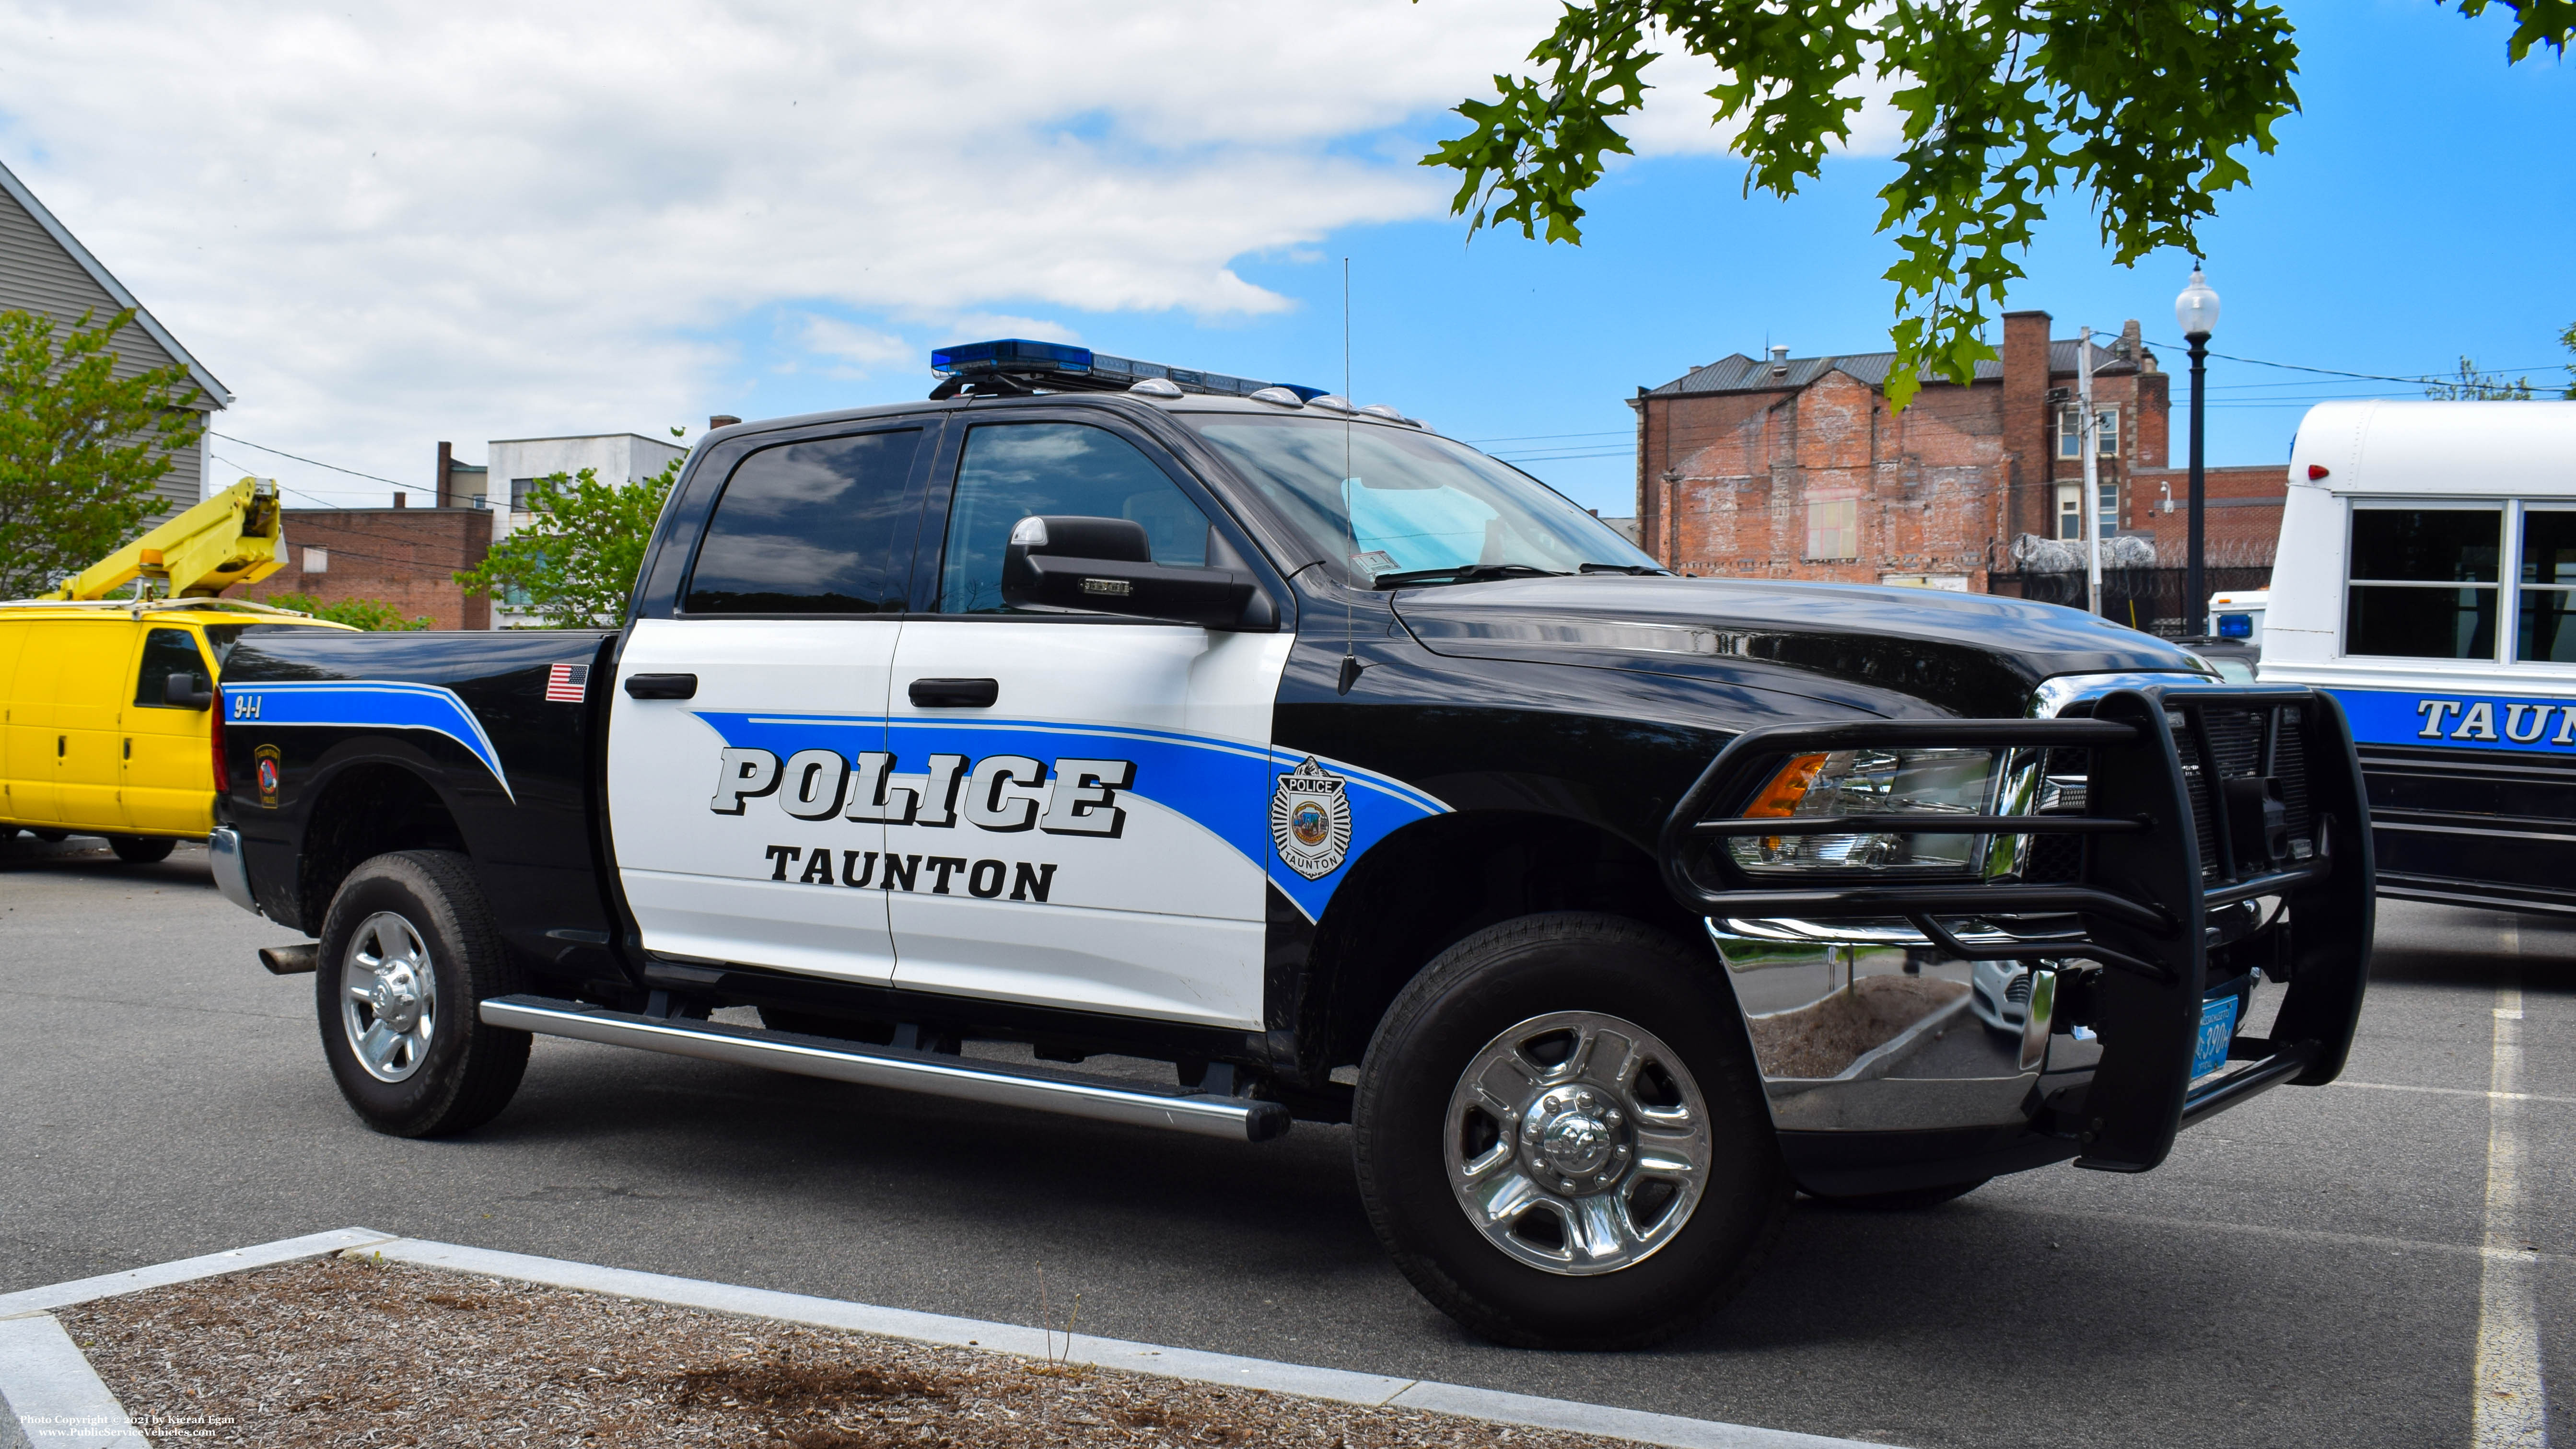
[
  {"x": 334, "y": 467},
  {"x": 2424, "y": 381},
  {"x": 1542, "y": 437},
  {"x": 1571, "y": 457},
  {"x": 298, "y": 492}
]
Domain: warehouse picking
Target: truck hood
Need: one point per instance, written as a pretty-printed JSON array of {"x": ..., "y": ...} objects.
[{"x": 1887, "y": 650}]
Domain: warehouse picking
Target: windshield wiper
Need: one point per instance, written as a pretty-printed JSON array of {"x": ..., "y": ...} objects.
[
  {"x": 1463, "y": 574},
  {"x": 1645, "y": 569}
]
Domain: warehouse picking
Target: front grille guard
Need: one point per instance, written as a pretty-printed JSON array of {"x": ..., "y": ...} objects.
[{"x": 2141, "y": 896}]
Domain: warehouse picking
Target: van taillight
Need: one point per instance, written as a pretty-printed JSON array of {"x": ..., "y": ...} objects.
[{"x": 215, "y": 741}]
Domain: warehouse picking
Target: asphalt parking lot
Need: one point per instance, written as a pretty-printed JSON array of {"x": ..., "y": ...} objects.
[{"x": 2312, "y": 1269}]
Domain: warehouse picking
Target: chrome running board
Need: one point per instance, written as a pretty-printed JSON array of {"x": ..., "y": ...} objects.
[{"x": 1074, "y": 1094}]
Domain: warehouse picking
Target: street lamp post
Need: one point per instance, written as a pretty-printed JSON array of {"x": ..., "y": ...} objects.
[{"x": 2197, "y": 310}]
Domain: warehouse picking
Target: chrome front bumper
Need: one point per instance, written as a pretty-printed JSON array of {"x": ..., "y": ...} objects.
[
  {"x": 232, "y": 876},
  {"x": 1867, "y": 1026},
  {"x": 2221, "y": 839}
]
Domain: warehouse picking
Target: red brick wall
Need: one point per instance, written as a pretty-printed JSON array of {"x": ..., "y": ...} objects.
[
  {"x": 405, "y": 557},
  {"x": 1725, "y": 479},
  {"x": 1749, "y": 464}
]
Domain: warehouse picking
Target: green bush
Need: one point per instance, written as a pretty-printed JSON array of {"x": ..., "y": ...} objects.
[{"x": 374, "y": 614}]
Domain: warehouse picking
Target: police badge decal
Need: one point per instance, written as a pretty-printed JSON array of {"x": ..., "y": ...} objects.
[{"x": 1310, "y": 820}]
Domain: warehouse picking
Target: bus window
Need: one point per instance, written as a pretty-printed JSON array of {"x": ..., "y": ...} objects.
[{"x": 2421, "y": 582}]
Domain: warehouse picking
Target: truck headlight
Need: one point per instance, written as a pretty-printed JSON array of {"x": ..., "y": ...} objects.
[{"x": 1929, "y": 782}]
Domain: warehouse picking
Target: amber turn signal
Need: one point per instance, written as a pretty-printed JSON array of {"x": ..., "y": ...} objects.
[{"x": 1779, "y": 799}]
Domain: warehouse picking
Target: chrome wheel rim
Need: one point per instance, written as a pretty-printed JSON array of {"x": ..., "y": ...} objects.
[
  {"x": 1577, "y": 1143},
  {"x": 388, "y": 997}
]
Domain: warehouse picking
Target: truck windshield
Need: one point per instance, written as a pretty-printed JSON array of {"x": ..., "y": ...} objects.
[{"x": 1394, "y": 506}]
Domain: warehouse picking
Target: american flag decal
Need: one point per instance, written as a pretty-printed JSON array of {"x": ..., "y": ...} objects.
[{"x": 565, "y": 683}]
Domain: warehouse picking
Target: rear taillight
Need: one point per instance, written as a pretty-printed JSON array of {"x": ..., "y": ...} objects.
[{"x": 215, "y": 742}]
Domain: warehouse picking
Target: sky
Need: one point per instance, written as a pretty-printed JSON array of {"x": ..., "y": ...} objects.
[{"x": 388, "y": 225}]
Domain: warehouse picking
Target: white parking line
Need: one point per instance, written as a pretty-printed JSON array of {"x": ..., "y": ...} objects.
[
  {"x": 2511, "y": 1408},
  {"x": 2462, "y": 1091}
]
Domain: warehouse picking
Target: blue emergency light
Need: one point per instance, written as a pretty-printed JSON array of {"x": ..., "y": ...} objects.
[
  {"x": 2235, "y": 626},
  {"x": 1060, "y": 367}
]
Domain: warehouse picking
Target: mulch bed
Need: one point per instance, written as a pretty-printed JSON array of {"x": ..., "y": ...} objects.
[{"x": 366, "y": 1353}]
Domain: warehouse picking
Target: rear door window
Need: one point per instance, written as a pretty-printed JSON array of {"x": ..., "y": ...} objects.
[
  {"x": 2422, "y": 582},
  {"x": 810, "y": 528}
]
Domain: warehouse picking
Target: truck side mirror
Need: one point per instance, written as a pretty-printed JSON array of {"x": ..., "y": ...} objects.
[
  {"x": 1106, "y": 566},
  {"x": 187, "y": 691}
]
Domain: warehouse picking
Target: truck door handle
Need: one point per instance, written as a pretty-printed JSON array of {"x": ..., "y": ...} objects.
[
  {"x": 955, "y": 693},
  {"x": 662, "y": 686}
]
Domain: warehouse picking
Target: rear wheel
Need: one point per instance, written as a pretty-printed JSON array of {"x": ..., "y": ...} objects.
[
  {"x": 1561, "y": 1136},
  {"x": 141, "y": 849},
  {"x": 408, "y": 954}
]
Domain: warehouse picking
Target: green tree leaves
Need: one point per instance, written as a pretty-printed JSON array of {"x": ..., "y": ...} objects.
[
  {"x": 80, "y": 447},
  {"x": 2145, "y": 108},
  {"x": 574, "y": 565},
  {"x": 371, "y": 614}
]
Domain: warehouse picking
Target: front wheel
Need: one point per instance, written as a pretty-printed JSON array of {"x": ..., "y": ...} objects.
[
  {"x": 408, "y": 953},
  {"x": 1561, "y": 1135},
  {"x": 141, "y": 849}
]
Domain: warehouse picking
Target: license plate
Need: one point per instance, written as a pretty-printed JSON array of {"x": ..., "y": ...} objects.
[{"x": 2217, "y": 1029}]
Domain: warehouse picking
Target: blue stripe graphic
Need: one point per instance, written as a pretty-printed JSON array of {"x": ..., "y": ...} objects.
[
  {"x": 2460, "y": 719},
  {"x": 1223, "y": 785},
  {"x": 365, "y": 704}
]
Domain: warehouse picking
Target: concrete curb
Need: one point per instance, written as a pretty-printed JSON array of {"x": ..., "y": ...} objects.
[
  {"x": 49, "y": 1396},
  {"x": 1342, "y": 1385},
  {"x": 53, "y": 1365},
  {"x": 159, "y": 1275}
]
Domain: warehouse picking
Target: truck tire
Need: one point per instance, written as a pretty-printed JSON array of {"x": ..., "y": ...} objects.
[
  {"x": 141, "y": 849},
  {"x": 1513, "y": 1109},
  {"x": 408, "y": 953}
]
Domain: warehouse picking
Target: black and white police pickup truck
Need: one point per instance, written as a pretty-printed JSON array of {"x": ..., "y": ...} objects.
[{"x": 1099, "y": 711}]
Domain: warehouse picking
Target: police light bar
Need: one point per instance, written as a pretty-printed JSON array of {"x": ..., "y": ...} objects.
[{"x": 1062, "y": 368}]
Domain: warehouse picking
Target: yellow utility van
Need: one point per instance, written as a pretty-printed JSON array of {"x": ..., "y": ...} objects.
[{"x": 104, "y": 717}]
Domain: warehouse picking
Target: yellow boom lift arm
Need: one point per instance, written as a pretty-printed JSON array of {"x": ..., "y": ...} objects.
[{"x": 235, "y": 537}]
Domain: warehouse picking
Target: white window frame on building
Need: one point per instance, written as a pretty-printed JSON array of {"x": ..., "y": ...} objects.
[
  {"x": 2070, "y": 511},
  {"x": 1833, "y": 529},
  {"x": 2070, "y": 427}
]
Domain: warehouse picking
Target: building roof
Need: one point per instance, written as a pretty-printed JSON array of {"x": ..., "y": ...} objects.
[
  {"x": 1736, "y": 372},
  {"x": 673, "y": 444},
  {"x": 206, "y": 381}
]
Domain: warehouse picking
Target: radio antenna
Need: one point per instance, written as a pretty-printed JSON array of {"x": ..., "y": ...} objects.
[{"x": 1351, "y": 665}]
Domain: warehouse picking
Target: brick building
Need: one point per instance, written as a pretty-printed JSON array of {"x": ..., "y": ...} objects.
[
  {"x": 1797, "y": 468},
  {"x": 406, "y": 557},
  {"x": 2240, "y": 512}
]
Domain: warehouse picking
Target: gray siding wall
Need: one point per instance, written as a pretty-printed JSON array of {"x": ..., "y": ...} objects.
[{"x": 38, "y": 276}]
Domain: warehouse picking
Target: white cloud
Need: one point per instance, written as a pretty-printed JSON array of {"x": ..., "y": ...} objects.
[
  {"x": 1675, "y": 118},
  {"x": 388, "y": 223},
  {"x": 861, "y": 349}
]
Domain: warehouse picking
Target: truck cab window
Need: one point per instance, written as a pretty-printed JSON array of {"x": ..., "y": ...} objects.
[
  {"x": 165, "y": 652},
  {"x": 2421, "y": 582},
  {"x": 1013, "y": 470},
  {"x": 808, "y": 528},
  {"x": 2548, "y": 579}
]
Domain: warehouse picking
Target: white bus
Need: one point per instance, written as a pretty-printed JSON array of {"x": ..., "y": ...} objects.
[{"x": 2425, "y": 573}]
